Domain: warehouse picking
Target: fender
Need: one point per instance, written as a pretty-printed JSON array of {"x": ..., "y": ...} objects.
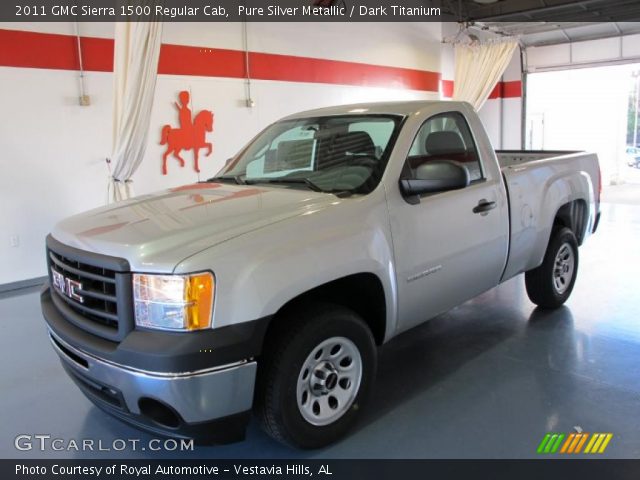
[{"x": 261, "y": 271}]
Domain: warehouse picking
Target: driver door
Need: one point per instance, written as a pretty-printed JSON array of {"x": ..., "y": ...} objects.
[{"x": 447, "y": 250}]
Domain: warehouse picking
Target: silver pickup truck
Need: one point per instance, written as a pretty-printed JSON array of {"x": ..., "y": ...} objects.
[{"x": 269, "y": 287}]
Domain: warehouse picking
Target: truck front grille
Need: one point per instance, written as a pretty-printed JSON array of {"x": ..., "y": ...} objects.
[
  {"x": 98, "y": 295},
  {"x": 92, "y": 291}
]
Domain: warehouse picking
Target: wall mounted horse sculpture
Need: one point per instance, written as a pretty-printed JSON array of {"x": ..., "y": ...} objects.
[{"x": 178, "y": 139}]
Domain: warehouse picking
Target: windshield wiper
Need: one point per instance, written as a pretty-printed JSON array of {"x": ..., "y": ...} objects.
[
  {"x": 237, "y": 179},
  {"x": 297, "y": 180}
]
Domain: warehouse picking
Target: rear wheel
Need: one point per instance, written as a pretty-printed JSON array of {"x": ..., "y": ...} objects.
[
  {"x": 315, "y": 376},
  {"x": 550, "y": 284}
]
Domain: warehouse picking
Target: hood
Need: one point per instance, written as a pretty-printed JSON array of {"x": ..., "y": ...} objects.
[{"x": 155, "y": 232}]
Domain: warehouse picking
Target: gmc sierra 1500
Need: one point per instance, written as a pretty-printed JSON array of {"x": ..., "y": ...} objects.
[{"x": 269, "y": 286}]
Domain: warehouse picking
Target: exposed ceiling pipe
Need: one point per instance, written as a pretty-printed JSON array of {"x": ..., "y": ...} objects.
[
  {"x": 245, "y": 40},
  {"x": 523, "y": 102},
  {"x": 84, "y": 99}
]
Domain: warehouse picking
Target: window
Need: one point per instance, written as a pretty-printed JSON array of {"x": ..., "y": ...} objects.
[
  {"x": 332, "y": 154},
  {"x": 291, "y": 151},
  {"x": 445, "y": 137}
]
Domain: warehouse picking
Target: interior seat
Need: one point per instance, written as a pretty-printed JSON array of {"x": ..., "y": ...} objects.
[
  {"x": 347, "y": 145},
  {"x": 444, "y": 145}
]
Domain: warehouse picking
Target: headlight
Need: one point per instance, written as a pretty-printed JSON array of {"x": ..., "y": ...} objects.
[{"x": 173, "y": 302}]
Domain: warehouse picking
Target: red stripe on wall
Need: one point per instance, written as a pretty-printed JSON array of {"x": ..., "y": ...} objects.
[
  {"x": 205, "y": 62},
  {"x": 267, "y": 66},
  {"x": 97, "y": 54},
  {"x": 54, "y": 51},
  {"x": 512, "y": 89},
  {"x": 447, "y": 88},
  {"x": 496, "y": 92},
  {"x": 59, "y": 52}
]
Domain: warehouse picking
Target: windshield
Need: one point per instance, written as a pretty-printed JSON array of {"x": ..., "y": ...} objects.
[{"x": 330, "y": 154}]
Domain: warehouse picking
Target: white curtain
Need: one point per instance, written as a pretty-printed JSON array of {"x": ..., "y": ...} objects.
[
  {"x": 479, "y": 68},
  {"x": 135, "y": 67}
]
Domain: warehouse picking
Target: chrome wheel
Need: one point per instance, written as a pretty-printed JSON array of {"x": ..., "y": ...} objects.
[
  {"x": 329, "y": 381},
  {"x": 563, "y": 268}
]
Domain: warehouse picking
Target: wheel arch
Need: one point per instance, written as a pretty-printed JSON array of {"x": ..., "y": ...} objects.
[
  {"x": 575, "y": 216},
  {"x": 361, "y": 292}
]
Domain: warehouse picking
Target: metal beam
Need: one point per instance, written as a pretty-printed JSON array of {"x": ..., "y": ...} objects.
[
  {"x": 499, "y": 11},
  {"x": 523, "y": 40},
  {"x": 612, "y": 15},
  {"x": 529, "y": 28}
]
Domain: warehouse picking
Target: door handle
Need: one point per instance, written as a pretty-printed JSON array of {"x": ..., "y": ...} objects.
[{"x": 483, "y": 207}]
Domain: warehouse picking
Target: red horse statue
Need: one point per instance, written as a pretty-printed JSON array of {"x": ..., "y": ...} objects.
[{"x": 189, "y": 136}]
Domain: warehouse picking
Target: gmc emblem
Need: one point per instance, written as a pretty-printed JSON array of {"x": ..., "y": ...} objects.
[{"x": 66, "y": 286}]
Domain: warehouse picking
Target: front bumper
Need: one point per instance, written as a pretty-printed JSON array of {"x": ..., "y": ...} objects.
[
  {"x": 158, "y": 351},
  {"x": 174, "y": 383},
  {"x": 210, "y": 405}
]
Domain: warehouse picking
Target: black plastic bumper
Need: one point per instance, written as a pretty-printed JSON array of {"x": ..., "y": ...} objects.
[{"x": 162, "y": 351}]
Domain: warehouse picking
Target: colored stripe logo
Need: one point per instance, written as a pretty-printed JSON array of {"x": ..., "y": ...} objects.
[{"x": 574, "y": 443}]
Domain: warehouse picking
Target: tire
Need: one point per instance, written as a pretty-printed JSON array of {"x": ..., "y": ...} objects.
[
  {"x": 306, "y": 340},
  {"x": 550, "y": 284}
]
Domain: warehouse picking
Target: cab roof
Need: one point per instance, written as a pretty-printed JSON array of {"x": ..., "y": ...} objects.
[{"x": 403, "y": 108}]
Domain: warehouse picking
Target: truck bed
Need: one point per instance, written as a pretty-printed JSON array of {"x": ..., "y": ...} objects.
[
  {"x": 538, "y": 182},
  {"x": 510, "y": 158}
]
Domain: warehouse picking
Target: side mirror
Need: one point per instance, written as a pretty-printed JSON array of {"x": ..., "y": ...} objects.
[{"x": 439, "y": 176}]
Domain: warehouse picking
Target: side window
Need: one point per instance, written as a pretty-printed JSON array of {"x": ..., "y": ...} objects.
[{"x": 446, "y": 137}]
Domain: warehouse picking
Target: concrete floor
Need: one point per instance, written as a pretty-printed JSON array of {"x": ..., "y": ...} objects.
[{"x": 486, "y": 380}]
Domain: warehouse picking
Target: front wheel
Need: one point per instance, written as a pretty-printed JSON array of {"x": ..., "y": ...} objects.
[
  {"x": 315, "y": 376},
  {"x": 550, "y": 284}
]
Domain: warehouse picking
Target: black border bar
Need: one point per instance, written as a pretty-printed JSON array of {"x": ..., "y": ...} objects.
[
  {"x": 224, "y": 10},
  {"x": 337, "y": 469},
  {"x": 320, "y": 10}
]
